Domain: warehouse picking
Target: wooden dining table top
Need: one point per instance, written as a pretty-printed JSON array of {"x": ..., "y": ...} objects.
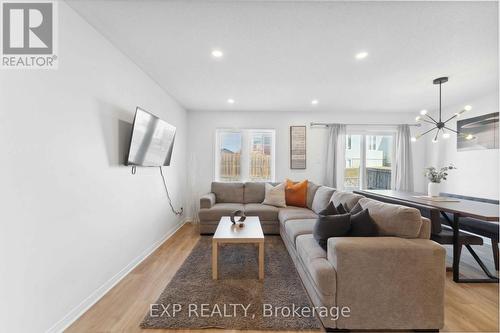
[{"x": 475, "y": 209}]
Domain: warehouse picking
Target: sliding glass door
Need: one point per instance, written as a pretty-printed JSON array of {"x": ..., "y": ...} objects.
[
  {"x": 353, "y": 153},
  {"x": 368, "y": 158}
]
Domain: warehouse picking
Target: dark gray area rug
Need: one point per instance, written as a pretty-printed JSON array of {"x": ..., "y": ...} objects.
[{"x": 237, "y": 300}]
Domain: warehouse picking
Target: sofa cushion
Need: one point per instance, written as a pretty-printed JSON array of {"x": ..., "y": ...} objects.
[
  {"x": 311, "y": 192},
  {"x": 321, "y": 198},
  {"x": 393, "y": 220},
  {"x": 348, "y": 199},
  {"x": 218, "y": 210},
  {"x": 296, "y": 193},
  {"x": 275, "y": 195},
  {"x": 254, "y": 192},
  {"x": 319, "y": 269},
  {"x": 228, "y": 192},
  {"x": 295, "y": 228},
  {"x": 264, "y": 212},
  {"x": 295, "y": 213}
]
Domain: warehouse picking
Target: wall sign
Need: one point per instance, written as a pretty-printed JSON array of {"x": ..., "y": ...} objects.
[{"x": 297, "y": 147}]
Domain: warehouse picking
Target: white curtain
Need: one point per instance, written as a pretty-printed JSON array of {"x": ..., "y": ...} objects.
[
  {"x": 193, "y": 195},
  {"x": 335, "y": 156},
  {"x": 403, "y": 166}
]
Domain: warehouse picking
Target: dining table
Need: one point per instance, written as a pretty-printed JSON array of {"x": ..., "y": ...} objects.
[{"x": 457, "y": 208}]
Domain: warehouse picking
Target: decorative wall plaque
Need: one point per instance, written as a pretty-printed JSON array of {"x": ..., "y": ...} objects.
[{"x": 297, "y": 147}]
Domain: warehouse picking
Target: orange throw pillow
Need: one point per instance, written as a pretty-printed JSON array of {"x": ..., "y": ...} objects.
[{"x": 296, "y": 194}]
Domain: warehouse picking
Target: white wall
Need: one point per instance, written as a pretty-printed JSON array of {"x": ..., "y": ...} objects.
[
  {"x": 477, "y": 171},
  {"x": 202, "y": 126},
  {"x": 72, "y": 217}
]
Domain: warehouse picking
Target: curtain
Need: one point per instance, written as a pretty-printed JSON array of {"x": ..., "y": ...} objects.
[
  {"x": 335, "y": 156},
  {"x": 194, "y": 194},
  {"x": 403, "y": 166}
]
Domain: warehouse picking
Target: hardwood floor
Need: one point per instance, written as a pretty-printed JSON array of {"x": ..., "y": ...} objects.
[{"x": 469, "y": 307}]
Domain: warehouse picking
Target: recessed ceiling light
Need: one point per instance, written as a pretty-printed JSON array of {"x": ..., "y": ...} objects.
[
  {"x": 423, "y": 112},
  {"x": 361, "y": 55},
  {"x": 314, "y": 102},
  {"x": 230, "y": 101},
  {"x": 467, "y": 108},
  {"x": 217, "y": 53}
]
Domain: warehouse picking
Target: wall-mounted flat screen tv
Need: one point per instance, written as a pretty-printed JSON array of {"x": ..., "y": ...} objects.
[{"x": 152, "y": 140}]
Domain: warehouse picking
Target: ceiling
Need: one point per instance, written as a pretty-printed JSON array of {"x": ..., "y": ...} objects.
[{"x": 280, "y": 55}]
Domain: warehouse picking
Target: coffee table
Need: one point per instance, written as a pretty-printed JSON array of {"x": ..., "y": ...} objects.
[{"x": 227, "y": 232}]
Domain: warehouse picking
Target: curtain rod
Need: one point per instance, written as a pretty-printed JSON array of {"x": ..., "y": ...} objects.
[{"x": 329, "y": 124}]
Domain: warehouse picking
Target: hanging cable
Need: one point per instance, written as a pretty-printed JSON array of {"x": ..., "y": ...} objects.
[{"x": 176, "y": 212}]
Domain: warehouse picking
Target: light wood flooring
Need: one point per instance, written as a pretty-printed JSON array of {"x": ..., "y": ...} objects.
[{"x": 468, "y": 307}]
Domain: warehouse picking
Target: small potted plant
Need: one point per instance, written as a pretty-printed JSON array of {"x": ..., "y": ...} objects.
[{"x": 435, "y": 177}]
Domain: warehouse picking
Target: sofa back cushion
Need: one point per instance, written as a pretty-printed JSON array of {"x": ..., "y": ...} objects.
[
  {"x": 393, "y": 220},
  {"x": 321, "y": 198},
  {"x": 254, "y": 192},
  {"x": 311, "y": 192},
  {"x": 228, "y": 192},
  {"x": 347, "y": 199}
]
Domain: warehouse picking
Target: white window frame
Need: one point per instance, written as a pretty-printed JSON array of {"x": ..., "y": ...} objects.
[
  {"x": 245, "y": 152},
  {"x": 365, "y": 133}
]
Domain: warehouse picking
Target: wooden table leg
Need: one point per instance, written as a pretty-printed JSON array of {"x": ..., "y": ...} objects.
[
  {"x": 215, "y": 246},
  {"x": 456, "y": 247},
  {"x": 261, "y": 261}
]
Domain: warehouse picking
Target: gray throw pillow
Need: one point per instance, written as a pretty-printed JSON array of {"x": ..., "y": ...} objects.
[
  {"x": 341, "y": 209},
  {"x": 362, "y": 225},
  {"x": 331, "y": 226},
  {"x": 356, "y": 209},
  {"x": 329, "y": 210}
]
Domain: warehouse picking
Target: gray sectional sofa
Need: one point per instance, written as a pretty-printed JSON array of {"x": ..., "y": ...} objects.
[{"x": 391, "y": 282}]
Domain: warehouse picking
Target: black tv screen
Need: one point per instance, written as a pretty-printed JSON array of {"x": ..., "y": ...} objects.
[{"x": 152, "y": 140}]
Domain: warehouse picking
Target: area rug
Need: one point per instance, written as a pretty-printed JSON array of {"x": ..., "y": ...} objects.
[{"x": 237, "y": 300}]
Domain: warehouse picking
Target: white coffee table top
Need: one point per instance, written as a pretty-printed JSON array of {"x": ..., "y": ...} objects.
[{"x": 251, "y": 232}]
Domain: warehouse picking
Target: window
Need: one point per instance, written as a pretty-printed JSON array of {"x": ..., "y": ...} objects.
[
  {"x": 230, "y": 156},
  {"x": 372, "y": 142},
  {"x": 353, "y": 162},
  {"x": 244, "y": 155},
  {"x": 368, "y": 161}
]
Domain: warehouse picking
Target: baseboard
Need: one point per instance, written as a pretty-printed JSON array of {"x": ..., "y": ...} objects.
[{"x": 93, "y": 298}]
